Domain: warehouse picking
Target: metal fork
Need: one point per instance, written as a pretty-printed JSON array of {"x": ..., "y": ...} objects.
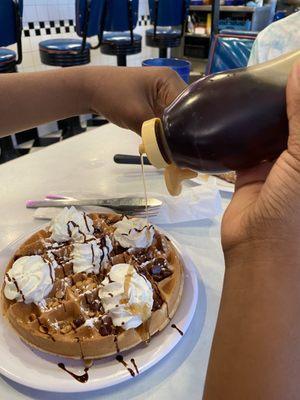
[{"x": 128, "y": 205}]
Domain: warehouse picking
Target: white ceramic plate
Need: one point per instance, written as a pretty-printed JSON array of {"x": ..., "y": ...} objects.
[{"x": 40, "y": 371}]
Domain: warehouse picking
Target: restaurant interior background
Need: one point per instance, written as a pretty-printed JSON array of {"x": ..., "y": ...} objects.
[{"x": 54, "y": 19}]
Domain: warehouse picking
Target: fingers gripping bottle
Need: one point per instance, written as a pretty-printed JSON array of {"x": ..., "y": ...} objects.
[{"x": 227, "y": 121}]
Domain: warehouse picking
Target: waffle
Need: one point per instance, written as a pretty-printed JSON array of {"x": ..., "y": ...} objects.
[
  {"x": 227, "y": 176},
  {"x": 71, "y": 321}
]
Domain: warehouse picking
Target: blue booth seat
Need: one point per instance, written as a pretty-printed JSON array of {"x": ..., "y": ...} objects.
[
  {"x": 165, "y": 37},
  {"x": 121, "y": 43},
  {"x": 10, "y": 33},
  {"x": 7, "y": 60},
  {"x": 64, "y": 52},
  {"x": 230, "y": 50},
  {"x": 168, "y": 18},
  {"x": 71, "y": 52},
  {"x": 117, "y": 36}
]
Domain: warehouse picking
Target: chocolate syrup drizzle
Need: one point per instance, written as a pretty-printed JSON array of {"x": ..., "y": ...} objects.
[
  {"x": 16, "y": 285},
  {"x": 116, "y": 344},
  {"x": 50, "y": 268},
  {"x": 86, "y": 223},
  {"x": 135, "y": 366},
  {"x": 120, "y": 359},
  {"x": 104, "y": 246},
  {"x": 138, "y": 230},
  {"x": 93, "y": 255},
  {"x": 75, "y": 226},
  {"x": 80, "y": 378},
  {"x": 178, "y": 330}
]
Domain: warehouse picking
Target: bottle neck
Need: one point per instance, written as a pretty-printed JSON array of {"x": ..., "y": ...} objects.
[
  {"x": 162, "y": 143},
  {"x": 153, "y": 143}
]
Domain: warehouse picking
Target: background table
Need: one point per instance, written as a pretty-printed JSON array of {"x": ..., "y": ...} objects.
[{"x": 85, "y": 164}]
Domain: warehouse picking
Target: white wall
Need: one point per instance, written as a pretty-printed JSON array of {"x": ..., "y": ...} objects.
[{"x": 48, "y": 10}]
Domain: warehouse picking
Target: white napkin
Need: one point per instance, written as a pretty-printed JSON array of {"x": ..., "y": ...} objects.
[{"x": 194, "y": 203}]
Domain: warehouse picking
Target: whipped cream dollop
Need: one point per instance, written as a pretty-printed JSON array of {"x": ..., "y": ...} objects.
[
  {"x": 134, "y": 233},
  {"x": 126, "y": 296},
  {"x": 30, "y": 279},
  {"x": 88, "y": 257},
  {"x": 71, "y": 224}
]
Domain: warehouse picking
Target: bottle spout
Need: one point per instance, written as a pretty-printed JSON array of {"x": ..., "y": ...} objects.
[
  {"x": 151, "y": 131},
  {"x": 174, "y": 177}
]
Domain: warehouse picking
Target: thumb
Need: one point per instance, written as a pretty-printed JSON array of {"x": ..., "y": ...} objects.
[
  {"x": 293, "y": 110},
  {"x": 170, "y": 87}
]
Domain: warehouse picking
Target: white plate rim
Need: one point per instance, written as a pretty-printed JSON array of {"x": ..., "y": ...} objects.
[{"x": 94, "y": 384}]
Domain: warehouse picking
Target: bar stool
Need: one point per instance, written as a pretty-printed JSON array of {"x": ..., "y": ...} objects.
[
  {"x": 10, "y": 33},
  {"x": 168, "y": 18},
  {"x": 74, "y": 52},
  {"x": 7, "y": 60},
  {"x": 118, "y": 39}
]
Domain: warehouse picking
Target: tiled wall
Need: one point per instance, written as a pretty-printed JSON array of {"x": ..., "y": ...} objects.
[
  {"x": 48, "y": 10},
  {"x": 46, "y": 19}
]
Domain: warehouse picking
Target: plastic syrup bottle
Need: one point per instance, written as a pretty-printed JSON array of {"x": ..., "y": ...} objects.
[{"x": 226, "y": 121}]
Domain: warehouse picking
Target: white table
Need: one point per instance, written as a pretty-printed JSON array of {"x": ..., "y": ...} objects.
[{"x": 85, "y": 163}]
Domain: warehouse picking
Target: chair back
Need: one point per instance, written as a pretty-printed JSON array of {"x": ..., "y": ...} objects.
[
  {"x": 168, "y": 12},
  {"x": 11, "y": 12},
  {"x": 89, "y": 15},
  {"x": 121, "y": 15},
  {"x": 229, "y": 50}
]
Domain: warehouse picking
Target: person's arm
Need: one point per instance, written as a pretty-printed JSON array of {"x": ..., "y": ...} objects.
[
  {"x": 256, "y": 347},
  {"x": 125, "y": 96}
]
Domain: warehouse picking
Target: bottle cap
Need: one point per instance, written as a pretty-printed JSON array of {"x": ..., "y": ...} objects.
[
  {"x": 150, "y": 145},
  {"x": 173, "y": 174}
]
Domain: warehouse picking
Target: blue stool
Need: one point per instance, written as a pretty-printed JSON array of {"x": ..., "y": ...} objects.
[
  {"x": 118, "y": 38},
  {"x": 168, "y": 18},
  {"x": 10, "y": 33},
  {"x": 64, "y": 52},
  {"x": 74, "y": 52},
  {"x": 7, "y": 60}
]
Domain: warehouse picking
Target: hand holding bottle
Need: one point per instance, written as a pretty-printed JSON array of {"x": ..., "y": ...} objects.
[
  {"x": 129, "y": 96},
  {"x": 256, "y": 352},
  {"x": 266, "y": 203}
]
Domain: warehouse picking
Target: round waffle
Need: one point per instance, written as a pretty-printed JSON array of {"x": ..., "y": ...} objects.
[{"x": 58, "y": 324}]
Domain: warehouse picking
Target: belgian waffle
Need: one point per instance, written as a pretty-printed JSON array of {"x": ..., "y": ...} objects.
[
  {"x": 71, "y": 321},
  {"x": 227, "y": 176}
]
